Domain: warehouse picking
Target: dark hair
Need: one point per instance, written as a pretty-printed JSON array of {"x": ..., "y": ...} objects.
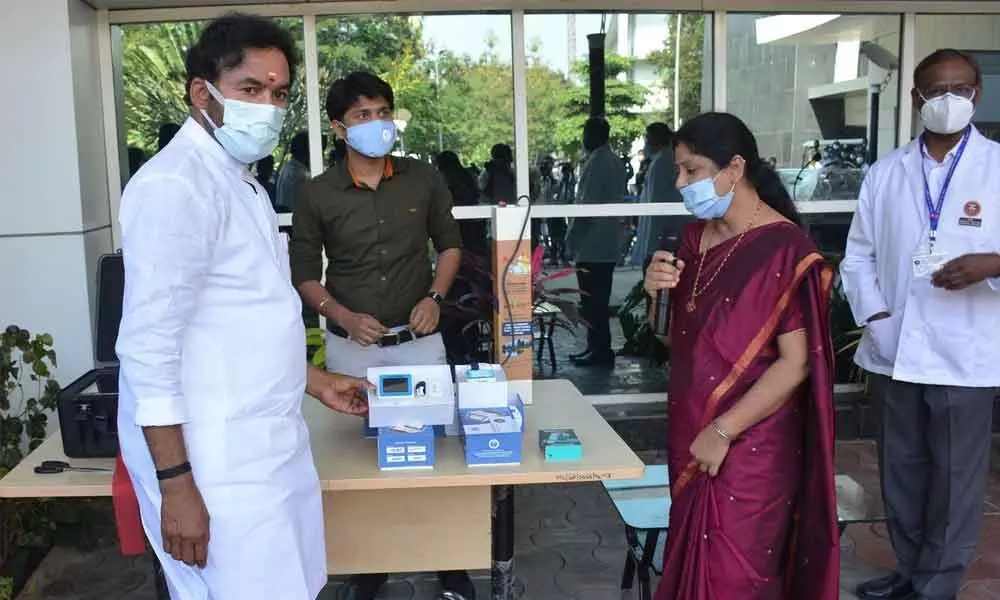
[
  {"x": 599, "y": 128},
  {"x": 299, "y": 147},
  {"x": 720, "y": 137},
  {"x": 448, "y": 161},
  {"x": 942, "y": 55},
  {"x": 660, "y": 134},
  {"x": 338, "y": 152},
  {"x": 222, "y": 46},
  {"x": 502, "y": 153},
  {"x": 136, "y": 157},
  {"x": 166, "y": 133},
  {"x": 346, "y": 91}
]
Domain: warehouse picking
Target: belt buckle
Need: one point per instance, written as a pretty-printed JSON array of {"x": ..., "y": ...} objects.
[{"x": 391, "y": 339}]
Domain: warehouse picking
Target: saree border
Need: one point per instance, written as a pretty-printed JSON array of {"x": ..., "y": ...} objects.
[{"x": 752, "y": 351}]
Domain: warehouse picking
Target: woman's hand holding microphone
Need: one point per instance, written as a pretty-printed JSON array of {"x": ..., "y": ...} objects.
[{"x": 664, "y": 272}]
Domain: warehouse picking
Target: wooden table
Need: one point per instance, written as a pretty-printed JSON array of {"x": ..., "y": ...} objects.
[{"x": 450, "y": 518}]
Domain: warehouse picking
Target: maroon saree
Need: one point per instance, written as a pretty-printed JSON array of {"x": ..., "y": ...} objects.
[{"x": 766, "y": 527}]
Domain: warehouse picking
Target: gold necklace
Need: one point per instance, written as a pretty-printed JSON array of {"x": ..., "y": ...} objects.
[{"x": 695, "y": 292}]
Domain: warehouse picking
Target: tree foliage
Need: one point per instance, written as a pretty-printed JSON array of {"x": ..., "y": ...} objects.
[
  {"x": 692, "y": 54},
  {"x": 456, "y": 102},
  {"x": 622, "y": 102}
]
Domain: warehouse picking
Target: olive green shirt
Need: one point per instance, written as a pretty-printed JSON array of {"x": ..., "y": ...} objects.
[{"x": 375, "y": 240}]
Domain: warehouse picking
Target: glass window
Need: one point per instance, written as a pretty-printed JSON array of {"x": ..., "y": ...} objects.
[
  {"x": 820, "y": 92},
  {"x": 150, "y": 79},
  {"x": 641, "y": 81},
  {"x": 979, "y": 35},
  {"x": 452, "y": 92}
]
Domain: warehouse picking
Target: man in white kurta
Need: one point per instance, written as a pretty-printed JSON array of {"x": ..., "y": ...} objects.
[
  {"x": 921, "y": 273},
  {"x": 212, "y": 344}
]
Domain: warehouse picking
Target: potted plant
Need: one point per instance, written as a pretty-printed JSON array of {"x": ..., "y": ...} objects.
[{"x": 27, "y": 396}]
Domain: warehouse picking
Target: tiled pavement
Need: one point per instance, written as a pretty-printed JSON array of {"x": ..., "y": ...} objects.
[{"x": 570, "y": 546}]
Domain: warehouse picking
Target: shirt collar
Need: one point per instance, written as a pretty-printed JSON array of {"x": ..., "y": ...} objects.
[
  {"x": 207, "y": 143},
  {"x": 346, "y": 179}
]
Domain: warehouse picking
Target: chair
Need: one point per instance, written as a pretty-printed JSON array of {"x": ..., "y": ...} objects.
[
  {"x": 644, "y": 507},
  {"x": 544, "y": 316}
]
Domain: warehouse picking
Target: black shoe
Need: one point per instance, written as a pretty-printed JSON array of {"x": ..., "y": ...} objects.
[
  {"x": 595, "y": 359},
  {"x": 458, "y": 584},
  {"x": 363, "y": 587},
  {"x": 891, "y": 587}
]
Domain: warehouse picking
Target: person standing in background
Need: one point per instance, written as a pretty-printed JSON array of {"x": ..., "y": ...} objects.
[
  {"x": 596, "y": 242},
  {"x": 922, "y": 274},
  {"x": 543, "y": 191},
  {"x": 659, "y": 185},
  {"x": 293, "y": 173},
  {"x": 374, "y": 215}
]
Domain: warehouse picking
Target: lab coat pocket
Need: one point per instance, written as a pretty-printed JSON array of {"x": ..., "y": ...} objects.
[{"x": 884, "y": 335}]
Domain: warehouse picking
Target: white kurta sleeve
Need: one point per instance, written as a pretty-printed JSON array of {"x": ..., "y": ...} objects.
[
  {"x": 858, "y": 269},
  {"x": 168, "y": 238}
]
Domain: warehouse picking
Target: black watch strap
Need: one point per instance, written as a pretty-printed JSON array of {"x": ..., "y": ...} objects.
[
  {"x": 435, "y": 297},
  {"x": 171, "y": 472}
]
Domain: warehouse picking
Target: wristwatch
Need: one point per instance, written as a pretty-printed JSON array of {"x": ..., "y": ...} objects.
[{"x": 435, "y": 296}]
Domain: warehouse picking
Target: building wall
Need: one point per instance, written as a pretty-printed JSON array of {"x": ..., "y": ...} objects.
[{"x": 55, "y": 201}]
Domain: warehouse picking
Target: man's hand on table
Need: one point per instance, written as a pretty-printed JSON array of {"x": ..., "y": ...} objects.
[
  {"x": 184, "y": 521},
  {"x": 348, "y": 395}
]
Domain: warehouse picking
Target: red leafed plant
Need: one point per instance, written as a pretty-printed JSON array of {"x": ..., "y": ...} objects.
[
  {"x": 467, "y": 313},
  {"x": 556, "y": 296}
]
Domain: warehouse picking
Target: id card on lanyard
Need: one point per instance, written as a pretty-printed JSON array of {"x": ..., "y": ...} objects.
[{"x": 926, "y": 263}]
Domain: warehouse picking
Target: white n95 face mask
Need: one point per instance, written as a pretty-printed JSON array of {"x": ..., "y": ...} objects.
[
  {"x": 249, "y": 131},
  {"x": 947, "y": 114}
]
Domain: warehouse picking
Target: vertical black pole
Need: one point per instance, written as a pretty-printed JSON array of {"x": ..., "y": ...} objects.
[
  {"x": 597, "y": 72},
  {"x": 873, "y": 101},
  {"x": 502, "y": 576}
]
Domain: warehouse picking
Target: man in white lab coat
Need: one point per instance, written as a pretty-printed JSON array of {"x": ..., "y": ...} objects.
[
  {"x": 921, "y": 272},
  {"x": 212, "y": 344}
]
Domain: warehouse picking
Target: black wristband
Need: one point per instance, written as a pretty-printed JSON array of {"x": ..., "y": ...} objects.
[
  {"x": 171, "y": 472},
  {"x": 436, "y": 297}
]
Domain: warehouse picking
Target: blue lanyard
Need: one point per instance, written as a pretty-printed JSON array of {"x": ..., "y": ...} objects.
[{"x": 934, "y": 210}]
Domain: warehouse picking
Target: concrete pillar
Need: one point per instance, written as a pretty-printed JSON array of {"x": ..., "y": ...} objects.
[{"x": 54, "y": 210}]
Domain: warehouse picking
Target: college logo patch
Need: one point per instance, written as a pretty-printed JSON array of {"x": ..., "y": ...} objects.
[{"x": 972, "y": 209}]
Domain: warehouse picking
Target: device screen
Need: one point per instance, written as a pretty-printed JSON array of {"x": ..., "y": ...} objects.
[{"x": 395, "y": 385}]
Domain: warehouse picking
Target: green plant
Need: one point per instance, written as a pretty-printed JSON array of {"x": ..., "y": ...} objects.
[
  {"x": 27, "y": 393},
  {"x": 316, "y": 347}
]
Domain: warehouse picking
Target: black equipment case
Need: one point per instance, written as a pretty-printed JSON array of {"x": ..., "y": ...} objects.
[{"x": 88, "y": 407}]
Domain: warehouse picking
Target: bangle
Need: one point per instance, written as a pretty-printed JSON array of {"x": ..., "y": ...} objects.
[
  {"x": 171, "y": 472},
  {"x": 721, "y": 432}
]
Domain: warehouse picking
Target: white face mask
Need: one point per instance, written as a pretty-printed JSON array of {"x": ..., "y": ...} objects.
[
  {"x": 947, "y": 114},
  {"x": 249, "y": 131}
]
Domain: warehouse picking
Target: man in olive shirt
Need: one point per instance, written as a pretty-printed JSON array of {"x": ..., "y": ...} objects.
[{"x": 374, "y": 214}]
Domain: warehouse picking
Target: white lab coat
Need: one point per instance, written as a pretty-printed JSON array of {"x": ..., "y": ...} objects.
[
  {"x": 939, "y": 337},
  {"x": 212, "y": 338}
]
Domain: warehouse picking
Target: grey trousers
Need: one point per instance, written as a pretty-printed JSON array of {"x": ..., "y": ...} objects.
[{"x": 934, "y": 456}]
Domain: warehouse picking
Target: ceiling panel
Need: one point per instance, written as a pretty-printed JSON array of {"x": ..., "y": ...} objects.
[{"x": 133, "y": 4}]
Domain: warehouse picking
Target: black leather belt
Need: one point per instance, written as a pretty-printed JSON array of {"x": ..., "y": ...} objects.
[{"x": 392, "y": 339}]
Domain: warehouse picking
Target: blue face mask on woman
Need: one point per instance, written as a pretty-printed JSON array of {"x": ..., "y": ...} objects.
[
  {"x": 373, "y": 139},
  {"x": 703, "y": 202}
]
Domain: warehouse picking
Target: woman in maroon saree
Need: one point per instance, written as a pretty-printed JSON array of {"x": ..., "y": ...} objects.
[{"x": 750, "y": 433}]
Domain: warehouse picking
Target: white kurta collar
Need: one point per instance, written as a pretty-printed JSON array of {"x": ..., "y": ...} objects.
[{"x": 193, "y": 131}]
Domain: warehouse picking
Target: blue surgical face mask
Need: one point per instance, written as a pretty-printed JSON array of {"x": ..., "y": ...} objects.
[
  {"x": 249, "y": 130},
  {"x": 374, "y": 139},
  {"x": 703, "y": 202}
]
